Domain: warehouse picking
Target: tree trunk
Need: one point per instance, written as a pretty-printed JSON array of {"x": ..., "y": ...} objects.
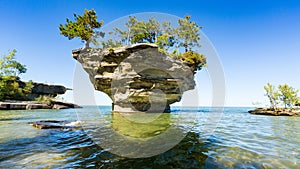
[
  {"x": 87, "y": 44},
  {"x": 128, "y": 38},
  {"x": 185, "y": 47}
]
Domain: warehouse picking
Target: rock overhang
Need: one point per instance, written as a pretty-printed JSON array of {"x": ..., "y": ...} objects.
[{"x": 137, "y": 77}]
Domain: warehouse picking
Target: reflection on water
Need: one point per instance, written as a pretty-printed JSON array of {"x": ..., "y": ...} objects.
[
  {"x": 140, "y": 125},
  {"x": 241, "y": 140}
]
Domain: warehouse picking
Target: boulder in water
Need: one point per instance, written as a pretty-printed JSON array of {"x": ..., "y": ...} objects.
[{"x": 55, "y": 124}]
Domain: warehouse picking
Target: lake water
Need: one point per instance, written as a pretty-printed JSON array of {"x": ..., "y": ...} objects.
[{"x": 185, "y": 138}]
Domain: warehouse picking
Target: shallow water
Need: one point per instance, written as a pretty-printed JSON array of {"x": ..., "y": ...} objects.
[{"x": 185, "y": 138}]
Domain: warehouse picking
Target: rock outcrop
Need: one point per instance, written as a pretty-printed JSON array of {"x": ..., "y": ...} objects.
[
  {"x": 38, "y": 89},
  {"x": 272, "y": 112},
  {"x": 30, "y": 105},
  {"x": 137, "y": 77},
  {"x": 42, "y": 89},
  {"x": 54, "y": 124},
  {"x": 22, "y": 105}
]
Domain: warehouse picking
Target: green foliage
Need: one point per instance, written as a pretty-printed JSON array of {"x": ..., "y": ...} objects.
[
  {"x": 11, "y": 89},
  {"x": 9, "y": 66},
  {"x": 193, "y": 59},
  {"x": 83, "y": 27},
  {"x": 139, "y": 31},
  {"x": 110, "y": 43},
  {"x": 288, "y": 95},
  {"x": 171, "y": 41},
  {"x": 10, "y": 86},
  {"x": 111, "y": 50},
  {"x": 45, "y": 99},
  {"x": 285, "y": 93},
  {"x": 28, "y": 87},
  {"x": 272, "y": 94},
  {"x": 188, "y": 33},
  {"x": 298, "y": 102},
  {"x": 167, "y": 38}
]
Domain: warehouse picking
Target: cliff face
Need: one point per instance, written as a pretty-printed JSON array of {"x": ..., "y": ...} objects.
[{"x": 137, "y": 77}]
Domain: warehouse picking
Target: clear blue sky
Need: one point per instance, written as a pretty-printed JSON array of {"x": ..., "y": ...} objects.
[{"x": 257, "y": 41}]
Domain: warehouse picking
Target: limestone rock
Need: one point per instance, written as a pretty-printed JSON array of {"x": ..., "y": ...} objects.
[
  {"x": 54, "y": 124},
  {"x": 63, "y": 105},
  {"x": 137, "y": 77},
  {"x": 22, "y": 105},
  {"x": 272, "y": 112},
  {"x": 45, "y": 89},
  {"x": 29, "y": 105},
  {"x": 39, "y": 89}
]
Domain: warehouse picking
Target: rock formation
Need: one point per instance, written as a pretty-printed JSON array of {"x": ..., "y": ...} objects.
[
  {"x": 272, "y": 112},
  {"x": 54, "y": 124},
  {"x": 137, "y": 77},
  {"x": 38, "y": 89},
  {"x": 30, "y": 105}
]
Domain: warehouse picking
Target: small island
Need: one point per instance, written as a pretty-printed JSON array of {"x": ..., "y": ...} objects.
[
  {"x": 145, "y": 67},
  {"x": 285, "y": 96}
]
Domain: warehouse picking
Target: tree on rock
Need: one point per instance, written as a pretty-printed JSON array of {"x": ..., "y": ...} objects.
[
  {"x": 288, "y": 95},
  {"x": 272, "y": 94},
  {"x": 284, "y": 95},
  {"x": 83, "y": 27},
  {"x": 188, "y": 33}
]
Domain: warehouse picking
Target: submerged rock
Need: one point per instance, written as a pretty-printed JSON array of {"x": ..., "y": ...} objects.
[
  {"x": 272, "y": 112},
  {"x": 54, "y": 124},
  {"x": 137, "y": 77}
]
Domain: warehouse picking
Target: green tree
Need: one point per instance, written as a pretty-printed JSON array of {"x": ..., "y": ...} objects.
[
  {"x": 273, "y": 95},
  {"x": 288, "y": 95},
  {"x": 140, "y": 31},
  {"x": 110, "y": 43},
  {"x": 188, "y": 33},
  {"x": 83, "y": 27},
  {"x": 10, "y": 85},
  {"x": 153, "y": 29},
  {"x": 167, "y": 39},
  {"x": 126, "y": 35},
  {"x": 9, "y": 66}
]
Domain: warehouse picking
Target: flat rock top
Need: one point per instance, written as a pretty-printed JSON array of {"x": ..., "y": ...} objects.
[{"x": 272, "y": 112}]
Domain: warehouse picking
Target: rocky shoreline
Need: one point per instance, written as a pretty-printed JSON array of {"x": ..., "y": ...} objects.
[
  {"x": 29, "y": 105},
  {"x": 272, "y": 112}
]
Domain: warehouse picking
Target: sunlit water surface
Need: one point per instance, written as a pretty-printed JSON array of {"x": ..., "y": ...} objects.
[{"x": 239, "y": 140}]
